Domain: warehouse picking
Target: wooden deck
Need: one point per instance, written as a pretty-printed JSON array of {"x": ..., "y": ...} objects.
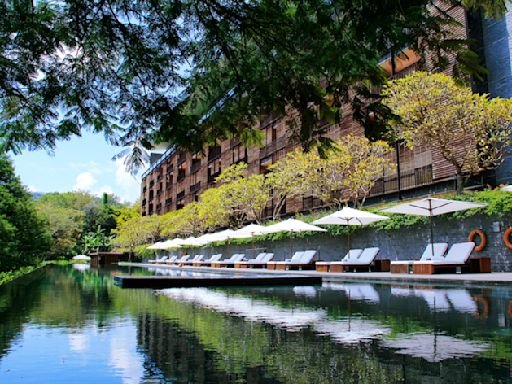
[{"x": 160, "y": 282}]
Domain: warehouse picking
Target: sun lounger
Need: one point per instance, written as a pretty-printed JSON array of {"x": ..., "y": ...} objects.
[
  {"x": 300, "y": 261},
  {"x": 405, "y": 266},
  {"x": 180, "y": 260},
  {"x": 455, "y": 261},
  {"x": 160, "y": 260},
  {"x": 259, "y": 261},
  {"x": 366, "y": 262},
  {"x": 207, "y": 262},
  {"x": 336, "y": 266},
  {"x": 228, "y": 263},
  {"x": 190, "y": 261},
  {"x": 169, "y": 260}
]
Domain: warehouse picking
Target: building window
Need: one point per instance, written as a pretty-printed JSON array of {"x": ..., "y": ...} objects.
[
  {"x": 214, "y": 169},
  {"x": 239, "y": 154}
]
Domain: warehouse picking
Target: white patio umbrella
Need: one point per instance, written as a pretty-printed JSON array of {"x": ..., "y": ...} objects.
[
  {"x": 294, "y": 226},
  {"x": 507, "y": 188},
  {"x": 81, "y": 257},
  {"x": 157, "y": 246},
  {"x": 431, "y": 207},
  {"x": 250, "y": 231},
  {"x": 350, "y": 216},
  {"x": 174, "y": 243}
]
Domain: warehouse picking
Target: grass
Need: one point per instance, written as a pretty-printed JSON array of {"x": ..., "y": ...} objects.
[{"x": 6, "y": 277}]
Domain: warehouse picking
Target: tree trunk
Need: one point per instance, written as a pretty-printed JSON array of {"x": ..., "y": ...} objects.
[{"x": 460, "y": 183}]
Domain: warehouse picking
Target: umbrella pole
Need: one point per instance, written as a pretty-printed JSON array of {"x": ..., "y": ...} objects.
[
  {"x": 348, "y": 241},
  {"x": 431, "y": 228}
]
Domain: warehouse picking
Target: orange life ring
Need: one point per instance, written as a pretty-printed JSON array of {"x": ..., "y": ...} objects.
[
  {"x": 482, "y": 311},
  {"x": 483, "y": 239},
  {"x": 506, "y": 238}
]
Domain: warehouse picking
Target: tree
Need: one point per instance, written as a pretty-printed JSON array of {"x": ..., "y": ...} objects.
[
  {"x": 243, "y": 196},
  {"x": 293, "y": 175},
  {"x": 469, "y": 130},
  {"x": 351, "y": 169},
  {"x": 186, "y": 72},
  {"x": 23, "y": 234},
  {"x": 65, "y": 226},
  {"x": 137, "y": 230}
]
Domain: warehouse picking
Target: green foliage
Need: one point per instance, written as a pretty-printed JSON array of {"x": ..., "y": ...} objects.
[
  {"x": 470, "y": 131},
  {"x": 72, "y": 65},
  {"x": 74, "y": 219},
  {"x": 65, "y": 225},
  {"x": 24, "y": 237}
]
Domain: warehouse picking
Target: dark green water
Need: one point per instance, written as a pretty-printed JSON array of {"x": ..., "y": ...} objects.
[{"x": 63, "y": 325}]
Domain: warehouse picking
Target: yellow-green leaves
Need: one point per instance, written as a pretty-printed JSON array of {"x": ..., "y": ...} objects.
[{"x": 469, "y": 130}]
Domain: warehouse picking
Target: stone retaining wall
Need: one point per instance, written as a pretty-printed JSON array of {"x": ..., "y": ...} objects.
[{"x": 401, "y": 244}]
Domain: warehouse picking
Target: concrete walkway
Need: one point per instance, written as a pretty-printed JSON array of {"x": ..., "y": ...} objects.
[{"x": 479, "y": 279}]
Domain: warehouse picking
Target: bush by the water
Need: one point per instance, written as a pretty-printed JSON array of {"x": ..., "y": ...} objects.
[{"x": 24, "y": 237}]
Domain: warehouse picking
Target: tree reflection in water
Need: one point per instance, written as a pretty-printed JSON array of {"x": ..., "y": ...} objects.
[{"x": 347, "y": 333}]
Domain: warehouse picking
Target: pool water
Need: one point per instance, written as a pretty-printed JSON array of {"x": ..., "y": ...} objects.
[{"x": 73, "y": 325}]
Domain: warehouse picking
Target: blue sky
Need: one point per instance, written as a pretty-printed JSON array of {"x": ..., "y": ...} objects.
[{"x": 82, "y": 163}]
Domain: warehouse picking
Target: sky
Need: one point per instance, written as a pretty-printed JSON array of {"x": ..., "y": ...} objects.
[{"x": 82, "y": 163}]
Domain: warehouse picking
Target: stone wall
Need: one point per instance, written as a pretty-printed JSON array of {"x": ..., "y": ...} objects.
[{"x": 401, "y": 244}]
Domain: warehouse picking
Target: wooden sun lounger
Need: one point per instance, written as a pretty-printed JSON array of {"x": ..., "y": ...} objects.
[
  {"x": 334, "y": 266},
  {"x": 207, "y": 262},
  {"x": 300, "y": 260},
  {"x": 457, "y": 260},
  {"x": 259, "y": 262},
  {"x": 405, "y": 266},
  {"x": 228, "y": 263},
  {"x": 190, "y": 261},
  {"x": 366, "y": 262}
]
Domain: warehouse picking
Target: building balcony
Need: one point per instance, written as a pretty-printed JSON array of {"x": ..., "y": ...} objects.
[
  {"x": 168, "y": 202},
  {"x": 273, "y": 146},
  {"x": 181, "y": 175},
  {"x": 180, "y": 195},
  {"x": 181, "y": 159},
  {"x": 413, "y": 178},
  {"x": 196, "y": 165},
  {"x": 196, "y": 187},
  {"x": 214, "y": 153},
  {"x": 212, "y": 177}
]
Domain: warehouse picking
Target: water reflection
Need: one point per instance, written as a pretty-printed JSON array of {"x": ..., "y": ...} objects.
[
  {"x": 63, "y": 325},
  {"x": 434, "y": 347}
]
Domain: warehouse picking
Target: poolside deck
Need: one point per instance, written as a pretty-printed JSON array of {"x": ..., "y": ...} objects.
[{"x": 495, "y": 278}]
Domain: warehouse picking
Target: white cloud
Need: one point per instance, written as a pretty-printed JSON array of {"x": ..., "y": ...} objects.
[
  {"x": 84, "y": 182},
  {"x": 31, "y": 188},
  {"x": 128, "y": 186}
]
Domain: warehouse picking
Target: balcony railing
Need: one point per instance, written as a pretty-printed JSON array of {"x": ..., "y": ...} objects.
[
  {"x": 273, "y": 146},
  {"x": 409, "y": 179},
  {"x": 181, "y": 175},
  {"x": 212, "y": 177},
  {"x": 181, "y": 159},
  {"x": 180, "y": 195},
  {"x": 311, "y": 202},
  {"x": 168, "y": 201},
  {"x": 196, "y": 165},
  {"x": 214, "y": 153},
  {"x": 195, "y": 187}
]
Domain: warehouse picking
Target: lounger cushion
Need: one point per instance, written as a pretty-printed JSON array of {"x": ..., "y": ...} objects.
[
  {"x": 307, "y": 257},
  {"x": 439, "y": 251},
  {"x": 297, "y": 256},
  {"x": 353, "y": 254},
  {"x": 457, "y": 255},
  {"x": 366, "y": 257}
]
